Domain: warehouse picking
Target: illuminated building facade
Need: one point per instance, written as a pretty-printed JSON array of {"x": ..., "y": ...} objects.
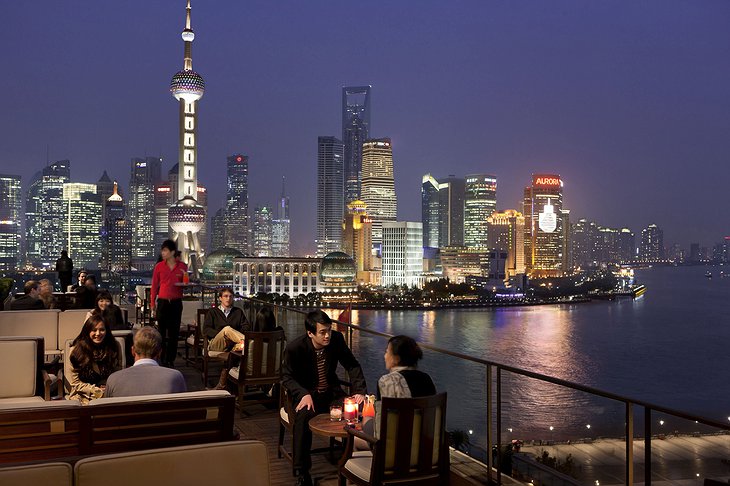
[
  {"x": 546, "y": 233},
  {"x": 291, "y": 276},
  {"x": 355, "y": 130},
  {"x": 281, "y": 225},
  {"x": 507, "y": 233},
  {"x": 627, "y": 245},
  {"x": 451, "y": 210},
  {"x": 82, "y": 223},
  {"x": 235, "y": 230},
  {"x": 119, "y": 234},
  {"x": 652, "y": 244},
  {"x": 145, "y": 176},
  {"x": 10, "y": 221},
  {"x": 164, "y": 198},
  {"x": 45, "y": 215},
  {"x": 480, "y": 201},
  {"x": 357, "y": 237},
  {"x": 430, "y": 215},
  {"x": 402, "y": 253},
  {"x": 262, "y": 232},
  {"x": 460, "y": 262},
  {"x": 330, "y": 195},
  {"x": 378, "y": 186}
]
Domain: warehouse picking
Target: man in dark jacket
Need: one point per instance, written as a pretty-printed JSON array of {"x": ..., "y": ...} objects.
[
  {"x": 29, "y": 300},
  {"x": 224, "y": 324},
  {"x": 65, "y": 268},
  {"x": 309, "y": 373}
]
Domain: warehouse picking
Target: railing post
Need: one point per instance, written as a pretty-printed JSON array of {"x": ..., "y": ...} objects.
[
  {"x": 647, "y": 446},
  {"x": 499, "y": 427},
  {"x": 629, "y": 443},
  {"x": 490, "y": 459}
]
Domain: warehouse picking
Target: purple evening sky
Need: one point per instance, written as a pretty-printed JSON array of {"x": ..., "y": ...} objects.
[{"x": 628, "y": 101}]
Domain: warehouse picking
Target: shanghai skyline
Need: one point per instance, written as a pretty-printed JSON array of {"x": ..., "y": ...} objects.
[{"x": 626, "y": 102}]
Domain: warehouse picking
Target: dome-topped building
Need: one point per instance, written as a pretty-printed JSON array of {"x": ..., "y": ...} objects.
[
  {"x": 218, "y": 267},
  {"x": 337, "y": 273}
]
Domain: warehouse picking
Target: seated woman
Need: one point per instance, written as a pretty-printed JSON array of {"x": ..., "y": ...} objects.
[
  {"x": 404, "y": 380},
  {"x": 266, "y": 320},
  {"x": 95, "y": 356},
  {"x": 110, "y": 312}
]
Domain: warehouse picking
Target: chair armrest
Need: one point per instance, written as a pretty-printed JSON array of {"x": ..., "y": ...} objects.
[
  {"x": 362, "y": 435},
  {"x": 46, "y": 386},
  {"x": 350, "y": 447}
]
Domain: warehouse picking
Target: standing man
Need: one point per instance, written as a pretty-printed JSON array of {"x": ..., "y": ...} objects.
[
  {"x": 65, "y": 268},
  {"x": 309, "y": 374},
  {"x": 223, "y": 327},
  {"x": 166, "y": 299},
  {"x": 145, "y": 377}
]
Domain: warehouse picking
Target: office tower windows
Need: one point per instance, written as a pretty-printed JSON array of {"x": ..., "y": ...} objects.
[
  {"x": 280, "y": 225},
  {"x": 506, "y": 231},
  {"x": 357, "y": 236},
  {"x": 378, "y": 185},
  {"x": 164, "y": 198},
  {"x": 330, "y": 195},
  {"x": 480, "y": 201},
  {"x": 10, "y": 220},
  {"x": 451, "y": 208},
  {"x": 262, "y": 232},
  {"x": 45, "y": 214},
  {"x": 430, "y": 215},
  {"x": 355, "y": 130},
  {"x": 144, "y": 178},
  {"x": 652, "y": 243},
  {"x": 627, "y": 245},
  {"x": 82, "y": 223},
  {"x": 217, "y": 230},
  {"x": 545, "y": 234},
  {"x": 119, "y": 234},
  {"x": 236, "y": 210},
  {"x": 402, "y": 253}
]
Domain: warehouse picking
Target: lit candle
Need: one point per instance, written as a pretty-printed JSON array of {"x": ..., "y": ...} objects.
[
  {"x": 350, "y": 411},
  {"x": 335, "y": 413}
]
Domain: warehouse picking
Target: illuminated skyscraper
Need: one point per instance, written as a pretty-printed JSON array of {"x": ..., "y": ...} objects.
[
  {"x": 355, "y": 130},
  {"x": 330, "y": 195},
  {"x": 119, "y": 234},
  {"x": 280, "y": 226},
  {"x": 357, "y": 236},
  {"x": 82, "y": 223},
  {"x": 402, "y": 253},
  {"x": 627, "y": 246},
  {"x": 10, "y": 220},
  {"x": 430, "y": 215},
  {"x": 145, "y": 176},
  {"x": 45, "y": 215},
  {"x": 507, "y": 233},
  {"x": 480, "y": 201},
  {"x": 236, "y": 225},
  {"x": 451, "y": 209},
  {"x": 652, "y": 244},
  {"x": 545, "y": 233},
  {"x": 262, "y": 232},
  {"x": 187, "y": 216},
  {"x": 378, "y": 185}
]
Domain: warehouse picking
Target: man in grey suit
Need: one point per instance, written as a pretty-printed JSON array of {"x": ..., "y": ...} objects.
[{"x": 146, "y": 376}]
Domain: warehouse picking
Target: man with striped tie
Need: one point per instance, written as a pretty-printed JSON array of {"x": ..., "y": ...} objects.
[{"x": 309, "y": 375}]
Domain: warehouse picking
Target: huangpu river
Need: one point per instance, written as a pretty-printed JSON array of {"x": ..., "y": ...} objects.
[{"x": 669, "y": 347}]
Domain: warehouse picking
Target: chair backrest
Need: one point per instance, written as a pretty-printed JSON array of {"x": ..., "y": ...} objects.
[
  {"x": 70, "y": 323},
  {"x": 56, "y": 473},
  {"x": 21, "y": 362},
  {"x": 412, "y": 442},
  {"x": 262, "y": 356},
  {"x": 42, "y": 322}
]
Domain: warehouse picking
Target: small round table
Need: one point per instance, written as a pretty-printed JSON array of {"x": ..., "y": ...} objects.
[{"x": 322, "y": 425}]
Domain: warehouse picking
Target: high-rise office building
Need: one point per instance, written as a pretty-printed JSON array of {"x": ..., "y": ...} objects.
[
  {"x": 218, "y": 230},
  {"x": 105, "y": 188},
  {"x": 44, "y": 213},
  {"x": 164, "y": 198},
  {"x": 378, "y": 185},
  {"x": 10, "y": 221},
  {"x": 355, "y": 130},
  {"x": 402, "y": 253},
  {"x": 330, "y": 195},
  {"x": 506, "y": 231},
  {"x": 584, "y": 241},
  {"x": 545, "y": 234},
  {"x": 145, "y": 176},
  {"x": 280, "y": 225},
  {"x": 82, "y": 223},
  {"x": 480, "y": 201},
  {"x": 627, "y": 245},
  {"x": 357, "y": 236},
  {"x": 262, "y": 232},
  {"x": 451, "y": 209},
  {"x": 430, "y": 213},
  {"x": 236, "y": 210},
  {"x": 187, "y": 217},
  {"x": 119, "y": 234},
  {"x": 652, "y": 244}
]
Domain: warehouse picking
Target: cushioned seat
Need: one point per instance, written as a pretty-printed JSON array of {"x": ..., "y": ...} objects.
[
  {"x": 23, "y": 377},
  {"x": 48, "y": 474}
]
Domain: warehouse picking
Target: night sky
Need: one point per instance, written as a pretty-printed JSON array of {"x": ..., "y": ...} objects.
[{"x": 628, "y": 101}]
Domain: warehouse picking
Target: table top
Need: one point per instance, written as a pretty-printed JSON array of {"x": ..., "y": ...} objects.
[{"x": 322, "y": 425}]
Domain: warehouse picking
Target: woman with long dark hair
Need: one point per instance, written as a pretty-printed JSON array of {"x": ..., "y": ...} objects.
[
  {"x": 94, "y": 357},
  {"x": 166, "y": 299},
  {"x": 111, "y": 313}
]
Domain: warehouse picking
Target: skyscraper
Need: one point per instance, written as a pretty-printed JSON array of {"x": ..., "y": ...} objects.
[
  {"x": 627, "y": 247},
  {"x": 480, "y": 201},
  {"x": 652, "y": 244},
  {"x": 218, "y": 230},
  {"x": 144, "y": 178},
  {"x": 186, "y": 216},
  {"x": 262, "y": 233},
  {"x": 10, "y": 219},
  {"x": 357, "y": 236},
  {"x": 507, "y": 233},
  {"x": 402, "y": 253},
  {"x": 82, "y": 223},
  {"x": 104, "y": 188},
  {"x": 280, "y": 225},
  {"x": 44, "y": 212},
  {"x": 330, "y": 195},
  {"x": 378, "y": 185},
  {"x": 451, "y": 210},
  {"x": 545, "y": 233},
  {"x": 235, "y": 229},
  {"x": 119, "y": 234},
  {"x": 355, "y": 130},
  {"x": 430, "y": 214}
]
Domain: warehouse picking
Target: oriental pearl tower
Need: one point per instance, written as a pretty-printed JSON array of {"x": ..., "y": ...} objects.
[{"x": 187, "y": 217}]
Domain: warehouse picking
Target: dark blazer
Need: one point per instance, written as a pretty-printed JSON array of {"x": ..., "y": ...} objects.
[
  {"x": 26, "y": 302},
  {"x": 299, "y": 369},
  {"x": 215, "y": 320}
]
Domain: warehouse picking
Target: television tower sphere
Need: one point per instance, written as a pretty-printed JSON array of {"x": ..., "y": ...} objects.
[
  {"x": 186, "y": 216},
  {"x": 188, "y": 85}
]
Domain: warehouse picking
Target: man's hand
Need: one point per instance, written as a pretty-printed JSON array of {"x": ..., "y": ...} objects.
[
  {"x": 359, "y": 398},
  {"x": 305, "y": 402}
]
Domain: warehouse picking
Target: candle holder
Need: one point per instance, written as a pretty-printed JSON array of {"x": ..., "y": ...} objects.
[
  {"x": 335, "y": 413},
  {"x": 349, "y": 412}
]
